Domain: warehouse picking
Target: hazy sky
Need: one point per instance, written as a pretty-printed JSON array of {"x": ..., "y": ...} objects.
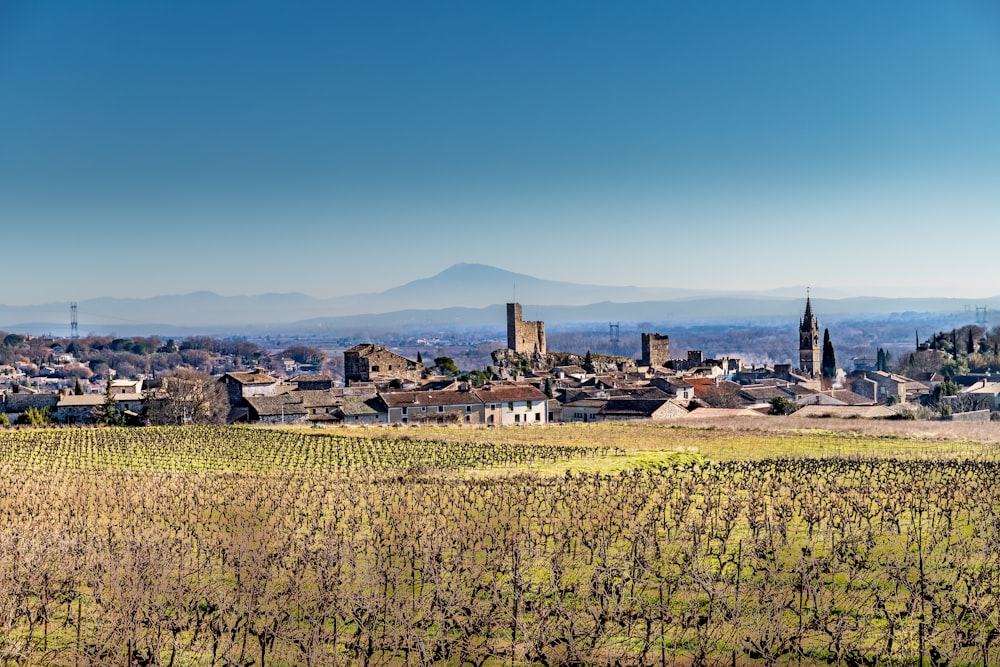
[{"x": 338, "y": 147}]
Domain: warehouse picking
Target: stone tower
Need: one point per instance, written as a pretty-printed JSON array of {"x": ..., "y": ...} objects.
[
  {"x": 524, "y": 337},
  {"x": 655, "y": 349},
  {"x": 810, "y": 360}
]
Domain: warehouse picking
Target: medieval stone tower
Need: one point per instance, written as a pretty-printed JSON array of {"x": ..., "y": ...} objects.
[
  {"x": 809, "y": 354},
  {"x": 655, "y": 349},
  {"x": 524, "y": 337}
]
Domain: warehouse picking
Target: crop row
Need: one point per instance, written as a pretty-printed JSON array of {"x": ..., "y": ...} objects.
[{"x": 770, "y": 562}]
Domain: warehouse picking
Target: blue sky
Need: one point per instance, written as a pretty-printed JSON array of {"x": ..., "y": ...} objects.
[{"x": 340, "y": 147}]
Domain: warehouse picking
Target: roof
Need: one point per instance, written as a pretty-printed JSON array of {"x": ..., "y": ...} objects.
[
  {"x": 312, "y": 398},
  {"x": 258, "y": 376},
  {"x": 715, "y": 413},
  {"x": 84, "y": 400},
  {"x": 586, "y": 403},
  {"x": 360, "y": 406},
  {"x": 845, "y": 411},
  {"x": 316, "y": 377},
  {"x": 766, "y": 393},
  {"x": 272, "y": 406},
  {"x": 494, "y": 394},
  {"x": 407, "y": 399},
  {"x": 635, "y": 407}
]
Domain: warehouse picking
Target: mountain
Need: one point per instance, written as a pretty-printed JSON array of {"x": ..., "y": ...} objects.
[{"x": 462, "y": 295}]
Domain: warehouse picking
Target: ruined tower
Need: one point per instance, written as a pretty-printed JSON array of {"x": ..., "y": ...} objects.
[
  {"x": 524, "y": 337},
  {"x": 655, "y": 349},
  {"x": 809, "y": 352}
]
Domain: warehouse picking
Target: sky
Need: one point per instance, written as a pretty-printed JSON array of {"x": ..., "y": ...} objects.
[{"x": 342, "y": 147}]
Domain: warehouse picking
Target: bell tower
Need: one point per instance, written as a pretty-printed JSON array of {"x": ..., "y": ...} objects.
[{"x": 809, "y": 354}]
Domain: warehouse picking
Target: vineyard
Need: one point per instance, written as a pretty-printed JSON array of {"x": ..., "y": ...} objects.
[{"x": 229, "y": 546}]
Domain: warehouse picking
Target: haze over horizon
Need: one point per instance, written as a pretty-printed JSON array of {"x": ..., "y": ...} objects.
[{"x": 341, "y": 148}]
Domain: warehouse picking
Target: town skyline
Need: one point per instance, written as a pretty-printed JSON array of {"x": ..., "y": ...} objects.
[{"x": 343, "y": 148}]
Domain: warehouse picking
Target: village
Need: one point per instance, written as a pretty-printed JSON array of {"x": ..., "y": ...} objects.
[{"x": 526, "y": 385}]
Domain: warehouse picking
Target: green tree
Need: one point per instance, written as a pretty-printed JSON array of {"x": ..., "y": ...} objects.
[
  {"x": 782, "y": 406},
  {"x": 588, "y": 363},
  {"x": 548, "y": 388},
  {"x": 447, "y": 366},
  {"x": 34, "y": 417},
  {"x": 828, "y": 369},
  {"x": 420, "y": 359},
  {"x": 4, "y": 419},
  {"x": 110, "y": 413},
  {"x": 78, "y": 388}
]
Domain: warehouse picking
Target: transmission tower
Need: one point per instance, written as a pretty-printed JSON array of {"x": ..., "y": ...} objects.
[
  {"x": 981, "y": 316},
  {"x": 74, "y": 328},
  {"x": 614, "y": 338}
]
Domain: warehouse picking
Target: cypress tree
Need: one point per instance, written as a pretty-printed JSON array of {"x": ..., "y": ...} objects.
[
  {"x": 971, "y": 343},
  {"x": 829, "y": 366},
  {"x": 588, "y": 362},
  {"x": 78, "y": 388}
]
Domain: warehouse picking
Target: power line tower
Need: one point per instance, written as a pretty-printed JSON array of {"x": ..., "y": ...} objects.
[
  {"x": 614, "y": 338},
  {"x": 74, "y": 327},
  {"x": 981, "y": 316}
]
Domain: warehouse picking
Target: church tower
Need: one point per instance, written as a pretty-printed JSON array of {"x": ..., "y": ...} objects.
[{"x": 810, "y": 360}]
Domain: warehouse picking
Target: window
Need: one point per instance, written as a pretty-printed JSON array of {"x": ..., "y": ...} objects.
[
  {"x": 440, "y": 408},
  {"x": 404, "y": 410},
  {"x": 468, "y": 408},
  {"x": 538, "y": 416},
  {"x": 374, "y": 369},
  {"x": 510, "y": 406},
  {"x": 529, "y": 405},
  {"x": 517, "y": 418}
]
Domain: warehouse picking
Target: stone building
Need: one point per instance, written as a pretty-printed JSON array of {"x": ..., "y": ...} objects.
[
  {"x": 524, "y": 337},
  {"x": 371, "y": 363},
  {"x": 655, "y": 349},
  {"x": 810, "y": 359}
]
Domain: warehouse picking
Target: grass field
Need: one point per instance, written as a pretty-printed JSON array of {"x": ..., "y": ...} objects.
[{"x": 723, "y": 543}]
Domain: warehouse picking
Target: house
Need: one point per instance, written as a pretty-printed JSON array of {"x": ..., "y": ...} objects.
[
  {"x": 846, "y": 411},
  {"x": 361, "y": 410},
  {"x": 241, "y": 385},
  {"x": 583, "y": 410},
  {"x": 676, "y": 387},
  {"x": 507, "y": 405},
  {"x": 281, "y": 409},
  {"x": 983, "y": 395},
  {"x": 368, "y": 362},
  {"x": 432, "y": 407},
  {"x": 314, "y": 382},
  {"x": 620, "y": 409}
]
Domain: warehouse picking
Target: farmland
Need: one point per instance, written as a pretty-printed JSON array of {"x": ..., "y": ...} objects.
[{"x": 631, "y": 545}]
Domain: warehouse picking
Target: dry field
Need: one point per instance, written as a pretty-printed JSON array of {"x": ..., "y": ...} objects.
[{"x": 722, "y": 543}]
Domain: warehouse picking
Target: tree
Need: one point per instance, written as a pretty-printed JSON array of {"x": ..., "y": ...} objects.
[
  {"x": 588, "y": 363},
  {"x": 446, "y": 365},
  {"x": 188, "y": 397},
  {"x": 110, "y": 413},
  {"x": 420, "y": 359},
  {"x": 782, "y": 406},
  {"x": 34, "y": 417},
  {"x": 78, "y": 388},
  {"x": 970, "y": 343},
  {"x": 828, "y": 369},
  {"x": 548, "y": 388},
  {"x": 4, "y": 419},
  {"x": 303, "y": 354}
]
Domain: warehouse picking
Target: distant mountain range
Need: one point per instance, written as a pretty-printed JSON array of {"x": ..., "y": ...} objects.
[{"x": 469, "y": 295}]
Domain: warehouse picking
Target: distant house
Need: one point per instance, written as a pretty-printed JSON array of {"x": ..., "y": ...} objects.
[
  {"x": 281, "y": 409},
  {"x": 433, "y": 407},
  {"x": 622, "y": 409},
  {"x": 241, "y": 385},
  {"x": 315, "y": 382},
  {"x": 583, "y": 410},
  {"x": 513, "y": 405},
  {"x": 372, "y": 363},
  {"x": 361, "y": 410}
]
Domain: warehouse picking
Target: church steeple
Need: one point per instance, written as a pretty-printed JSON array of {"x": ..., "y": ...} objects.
[{"x": 809, "y": 351}]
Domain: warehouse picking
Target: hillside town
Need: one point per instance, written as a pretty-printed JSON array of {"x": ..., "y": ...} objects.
[{"x": 527, "y": 384}]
